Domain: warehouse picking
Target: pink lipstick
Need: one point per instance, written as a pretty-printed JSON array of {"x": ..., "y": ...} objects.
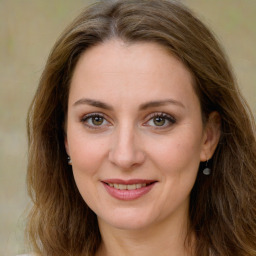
[{"x": 128, "y": 189}]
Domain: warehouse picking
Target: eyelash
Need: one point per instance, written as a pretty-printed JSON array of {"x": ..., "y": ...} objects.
[
  {"x": 166, "y": 117},
  {"x": 85, "y": 120}
]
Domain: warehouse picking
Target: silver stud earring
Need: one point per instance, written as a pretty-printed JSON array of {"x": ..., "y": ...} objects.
[
  {"x": 69, "y": 160},
  {"x": 206, "y": 170}
]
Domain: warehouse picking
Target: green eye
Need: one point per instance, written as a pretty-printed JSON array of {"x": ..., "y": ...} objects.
[
  {"x": 159, "y": 121},
  {"x": 97, "y": 120}
]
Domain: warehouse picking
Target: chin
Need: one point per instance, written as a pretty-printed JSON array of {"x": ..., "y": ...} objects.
[
  {"x": 128, "y": 225},
  {"x": 127, "y": 220}
]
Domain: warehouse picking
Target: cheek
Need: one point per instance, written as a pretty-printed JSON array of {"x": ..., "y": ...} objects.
[
  {"x": 86, "y": 153},
  {"x": 87, "y": 157},
  {"x": 178, "y": 154},
  {"x": 178, "y": 160}
]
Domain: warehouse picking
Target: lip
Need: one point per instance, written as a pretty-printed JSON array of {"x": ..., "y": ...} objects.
[
  {"x": 127, "y": 195},
  {"x": 128, "y": 182}
]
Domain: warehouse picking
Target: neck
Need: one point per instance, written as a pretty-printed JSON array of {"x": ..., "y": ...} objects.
[{"x": 163, "y": 239}]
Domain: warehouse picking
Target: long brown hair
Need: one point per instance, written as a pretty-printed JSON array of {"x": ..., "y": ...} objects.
[{"x": 222, "y": 205}]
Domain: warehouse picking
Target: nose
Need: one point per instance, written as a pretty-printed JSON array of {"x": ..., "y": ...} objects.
[{"x": 125, "y": 151}]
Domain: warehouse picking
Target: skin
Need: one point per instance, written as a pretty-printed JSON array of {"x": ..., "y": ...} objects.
[{"x": 126, "y": 141}]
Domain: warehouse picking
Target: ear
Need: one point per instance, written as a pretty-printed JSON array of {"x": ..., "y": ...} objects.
[{"x": 211, "y": 136}]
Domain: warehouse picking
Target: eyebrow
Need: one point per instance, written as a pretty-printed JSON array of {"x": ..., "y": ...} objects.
[
  {"x": 94, "y": 103},
  {"x": 160, "y": 103},
  {"x": 144, "y": 106}
]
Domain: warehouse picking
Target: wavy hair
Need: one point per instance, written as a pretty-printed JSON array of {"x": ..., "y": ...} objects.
[{"x": 222, "y": 206}]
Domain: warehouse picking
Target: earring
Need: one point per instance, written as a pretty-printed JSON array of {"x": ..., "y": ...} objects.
[
  {"x": 69, "y": 160},
  {"x": 206, "y": 170}
]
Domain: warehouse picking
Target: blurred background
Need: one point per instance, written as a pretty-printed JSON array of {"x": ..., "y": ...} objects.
[{"x": 28, "y": 30}]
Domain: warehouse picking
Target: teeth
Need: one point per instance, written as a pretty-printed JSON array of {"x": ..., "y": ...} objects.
[
  {"x": 122, "y": 186},
  {"x": 138, "y": 185},
  {"x": 127, "y": 187},
  {"x": 130, "y": 187}
]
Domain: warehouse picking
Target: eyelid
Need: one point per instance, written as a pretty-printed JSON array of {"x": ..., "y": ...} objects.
[
  {"x": 92, "y": 114},
  {"x": 161, "y": 114},
  {"x": 84, "y": 118},
  {"x": 170, "y": 118}
]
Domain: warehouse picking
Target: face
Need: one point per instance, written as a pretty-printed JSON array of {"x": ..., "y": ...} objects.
[{"x": 134, "y": 134}]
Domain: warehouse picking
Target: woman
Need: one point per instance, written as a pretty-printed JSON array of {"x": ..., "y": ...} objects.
[{"x": 139, "y": 139}]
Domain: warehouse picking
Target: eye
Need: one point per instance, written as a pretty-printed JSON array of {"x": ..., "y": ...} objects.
[
  {"x": 95, "y": 120},
  {"x": 160, "y": 120}
]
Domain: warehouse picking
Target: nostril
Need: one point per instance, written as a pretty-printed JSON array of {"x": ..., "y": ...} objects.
[{"x": 126, "y": 158}]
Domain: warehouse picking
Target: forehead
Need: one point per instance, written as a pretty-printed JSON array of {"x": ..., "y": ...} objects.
[
  {"x": 120, "y": 54},
  {"x": 116, "y": 67}
]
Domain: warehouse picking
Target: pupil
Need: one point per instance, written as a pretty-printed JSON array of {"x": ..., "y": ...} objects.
[
  {"x": 159, "y": 121},
  {"x": 97, "y": 120}
]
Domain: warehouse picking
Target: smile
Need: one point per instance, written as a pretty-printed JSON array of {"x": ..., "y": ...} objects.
[
  {"x": 127, "y": 187},
  {"x": 128, "y": 190}
]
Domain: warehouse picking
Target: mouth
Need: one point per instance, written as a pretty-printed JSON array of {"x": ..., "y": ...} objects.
[
  {"x": 129, "y": 189},
  {"x": 129, "y": 186}
]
